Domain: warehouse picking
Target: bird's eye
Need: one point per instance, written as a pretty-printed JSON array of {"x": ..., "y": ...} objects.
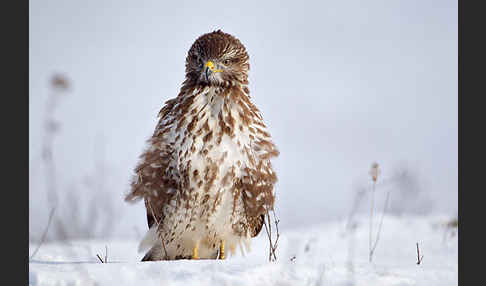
[{"x": 226, "y": 62}]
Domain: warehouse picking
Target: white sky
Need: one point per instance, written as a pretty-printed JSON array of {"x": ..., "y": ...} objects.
[{"x": 340, "y": 84}]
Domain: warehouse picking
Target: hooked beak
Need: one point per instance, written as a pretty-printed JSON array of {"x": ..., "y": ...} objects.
[
  {"x": 207, "y": 72},
  {"x": 209, "y": 69}
]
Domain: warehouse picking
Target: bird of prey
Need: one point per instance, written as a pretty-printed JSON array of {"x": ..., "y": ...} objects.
[{"x": 206, "y": 176}]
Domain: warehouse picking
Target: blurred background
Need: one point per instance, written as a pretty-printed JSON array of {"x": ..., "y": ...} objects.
[{"x": 340, "y": 84}]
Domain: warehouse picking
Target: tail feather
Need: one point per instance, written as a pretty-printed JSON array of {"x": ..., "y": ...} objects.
[
  {"x": 149, "y": 240},
  {"x": 148, "y": 256}
]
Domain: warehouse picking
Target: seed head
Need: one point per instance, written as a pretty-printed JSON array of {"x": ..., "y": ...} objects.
[{"x": 374, "y": 171}]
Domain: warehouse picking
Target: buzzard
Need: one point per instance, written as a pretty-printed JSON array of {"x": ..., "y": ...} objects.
[{"x": 206, "y": 176}]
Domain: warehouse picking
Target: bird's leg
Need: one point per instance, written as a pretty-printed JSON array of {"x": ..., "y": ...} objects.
[
  {"x": 221, "y": 251},
  {"x": 195, "y": 254}
]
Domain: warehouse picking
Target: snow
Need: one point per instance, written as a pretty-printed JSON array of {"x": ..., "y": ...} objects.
[{"x": 322, "y": 257}]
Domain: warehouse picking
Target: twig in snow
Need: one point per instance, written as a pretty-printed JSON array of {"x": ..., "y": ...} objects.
[
  {"x": 374, "y": 176},
  {"x": 272, "y": 256},
  {"x": 276, "y": 220},
  {"x": 374, "y": 172},
  {"x": 419, "y": 258},
  {"x": 106, "y": 256},
  {"x": 44, "y": 234},
  {"x": 269, "y": 235},
  {"x": 381, "y": 223},
  {"x": 59, "y": 84}
]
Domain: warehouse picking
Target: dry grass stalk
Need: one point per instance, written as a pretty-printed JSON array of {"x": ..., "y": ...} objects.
[
  {"x": 59, "y": 84},
  {"x": 44, "y": 234},
  {"x": 272, "y": 254},
  {"x": 158, "y": 223},
  {"x": 97, "y": 255},
  {"x": 419, "y": 258},
  {"x": 374, "y": 172},
  {"x": 374, "y": 176},
  {"x": 381, "y": 223},
  {"x": 106, "y": 256}
]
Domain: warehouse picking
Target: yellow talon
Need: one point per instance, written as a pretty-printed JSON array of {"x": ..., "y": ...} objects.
[
  {"x": 194, "y": 253},
  {"x": 221, "y": 250}
]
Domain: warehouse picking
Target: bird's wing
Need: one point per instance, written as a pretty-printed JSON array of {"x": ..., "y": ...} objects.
[
  {"x": 258, "y": 185},
  {"x": 156, "y": 177}
]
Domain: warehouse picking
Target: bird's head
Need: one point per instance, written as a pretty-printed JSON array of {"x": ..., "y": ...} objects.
[{"x": 217, "y": 59}]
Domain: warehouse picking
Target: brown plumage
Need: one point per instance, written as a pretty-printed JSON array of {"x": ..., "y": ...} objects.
[{"x": 206, "y": 176}]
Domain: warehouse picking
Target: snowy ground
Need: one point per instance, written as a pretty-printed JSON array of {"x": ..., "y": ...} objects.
[{"x": 322, "y": 257}]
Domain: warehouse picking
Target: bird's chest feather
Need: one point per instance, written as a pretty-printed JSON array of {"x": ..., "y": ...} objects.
[{"x": 213, "y": 143}]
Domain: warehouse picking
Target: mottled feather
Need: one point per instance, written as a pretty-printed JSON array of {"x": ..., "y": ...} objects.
[{"x": 206, "y": 175}]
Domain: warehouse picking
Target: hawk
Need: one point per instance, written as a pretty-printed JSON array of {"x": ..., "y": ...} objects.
[{"x": 206, "y": 176}]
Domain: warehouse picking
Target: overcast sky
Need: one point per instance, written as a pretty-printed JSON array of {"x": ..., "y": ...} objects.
[{"x": 340, "y": 84}]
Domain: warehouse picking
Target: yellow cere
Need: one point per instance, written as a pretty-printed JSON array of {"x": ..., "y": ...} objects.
[{"x": 210, "y": 65}]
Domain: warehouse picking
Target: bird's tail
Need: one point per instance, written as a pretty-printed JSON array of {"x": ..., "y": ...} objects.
[{"x": 149, "y": 240}]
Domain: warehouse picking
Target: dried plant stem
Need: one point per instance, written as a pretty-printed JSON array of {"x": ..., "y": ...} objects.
[
  {"x": 58, "y": 84},
  {"x": 158, "y": 223},
  {"x": 269, "y": 238},
  {"x": 44, "y": 234},
  {"x": 381, "y": 223},
  {"x": 419, "y": 258},
  {"x": 97, "y": 255},
  {"x": 275, "y": 245},
  {"x": 371, "y": 219},
  {"x": 106, "y": 256},
  {"x": 51, "y": 128},
  {"x": 272, "y": 256}
]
